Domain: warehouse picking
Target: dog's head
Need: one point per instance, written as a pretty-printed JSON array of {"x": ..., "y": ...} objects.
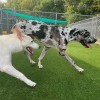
[
  {"x": 25, "y": 40},
  {"x": 82, "y": 36}
]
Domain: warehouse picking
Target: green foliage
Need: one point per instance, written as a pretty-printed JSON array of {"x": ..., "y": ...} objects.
[
  {"x": 50, "y": 5},
  {"x": 1, "y": 5},
  {"x": 71, "y": 11},
  {"x": 96, "y": 6},
  {"x": 84, "y": 7}
]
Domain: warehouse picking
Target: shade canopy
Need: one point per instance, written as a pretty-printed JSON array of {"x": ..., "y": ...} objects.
[{"x": 29, "y": 17}]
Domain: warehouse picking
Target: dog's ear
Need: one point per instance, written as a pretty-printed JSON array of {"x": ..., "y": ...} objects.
[
  {"x": 17, "y": 30},
  {"x": 12, "y": 29}
]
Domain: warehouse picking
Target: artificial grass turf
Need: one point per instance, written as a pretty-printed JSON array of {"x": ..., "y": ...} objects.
[{"x": 58, "y": 80}]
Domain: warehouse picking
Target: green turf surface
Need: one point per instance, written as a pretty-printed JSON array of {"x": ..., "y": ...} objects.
[{"x": 58, "y": 80}]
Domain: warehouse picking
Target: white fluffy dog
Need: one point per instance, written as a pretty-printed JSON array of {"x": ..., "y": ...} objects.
[{"x": 10, "y": 44}]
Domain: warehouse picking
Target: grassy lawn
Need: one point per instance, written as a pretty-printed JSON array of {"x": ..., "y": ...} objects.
[{"x": 58, "y": 80}]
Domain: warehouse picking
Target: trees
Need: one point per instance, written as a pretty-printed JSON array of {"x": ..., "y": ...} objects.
[
  {"x": 95, "y": 6},
  {"x": 82, "y": 7}
]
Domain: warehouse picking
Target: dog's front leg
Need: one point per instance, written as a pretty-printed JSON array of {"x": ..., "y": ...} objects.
[
  {"x": 72, "y": 63},
  {"x": 17, "y": 74},
  {"x": 45, "y": 49},
  {"x": 30, "y": 59}
]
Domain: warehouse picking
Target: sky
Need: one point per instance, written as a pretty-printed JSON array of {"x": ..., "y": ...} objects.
[{"x": 3, "y": 0}]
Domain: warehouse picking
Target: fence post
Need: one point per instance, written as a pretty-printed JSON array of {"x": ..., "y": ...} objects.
[
  {"x": 14, "y": 16},
  {"x": 56, "y": 18},
  {"x": 1, "y": 20},
  {"x": 7, "y": 23},
  {"x": 96, "y": 26}
]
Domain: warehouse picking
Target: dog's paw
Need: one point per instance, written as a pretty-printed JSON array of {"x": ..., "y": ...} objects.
[
  {"x": 40, "y": 66},
  {"x": 32, "y": 62},
  {"x": 34, "y": 84},
  {"x": 81, "y": 70},
  {"x": 30, "y": 83}
]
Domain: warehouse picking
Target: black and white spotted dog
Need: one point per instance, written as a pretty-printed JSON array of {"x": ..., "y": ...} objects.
[{"x": 57, "y": 37}]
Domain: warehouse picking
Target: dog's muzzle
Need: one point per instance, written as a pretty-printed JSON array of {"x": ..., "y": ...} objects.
[
  {"x": 91, "y": 40},
  {"x": 85, "y": 43}
]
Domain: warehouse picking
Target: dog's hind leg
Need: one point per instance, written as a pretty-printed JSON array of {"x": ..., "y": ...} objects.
[
  {"x": 44, "y": 51},
  {"x": 17, "y": 74}
]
